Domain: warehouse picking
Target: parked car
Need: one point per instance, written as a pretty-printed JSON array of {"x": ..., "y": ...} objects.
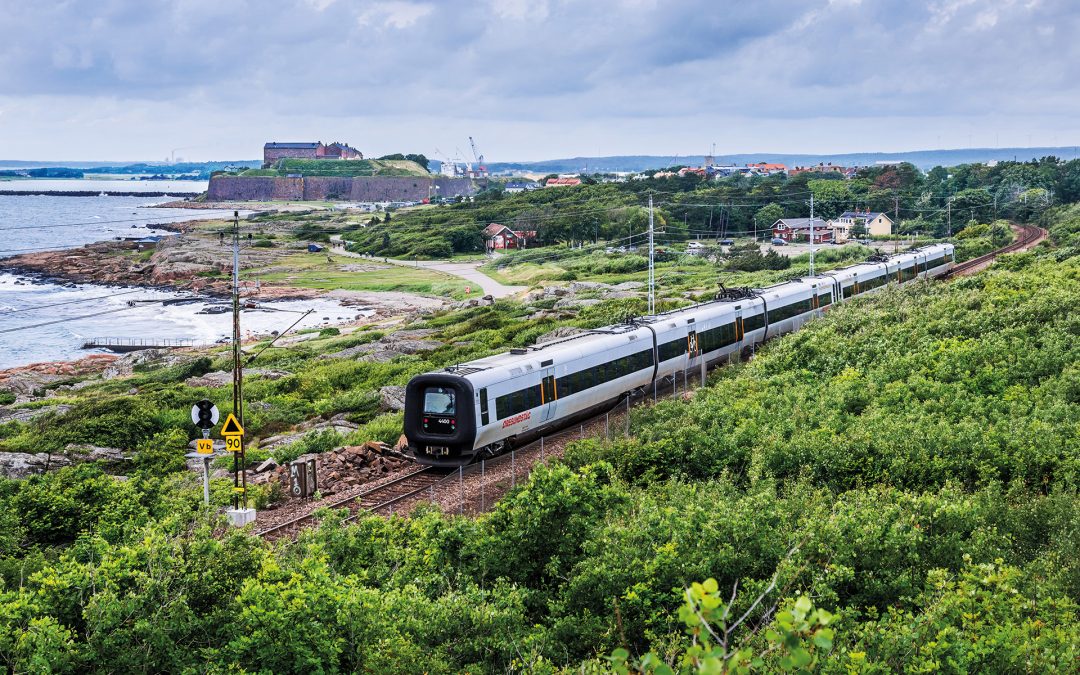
[
  {"x": 695, "y": 246},
  {"x": 727, "y": 242},
  {"x": 777, "y": 241}
]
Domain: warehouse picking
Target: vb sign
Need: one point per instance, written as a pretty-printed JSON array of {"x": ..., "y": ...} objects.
[
  {"x": 233, "y": 433},
  {"x": 204, "y": 446},
  {"x": 204, "y": 415}
]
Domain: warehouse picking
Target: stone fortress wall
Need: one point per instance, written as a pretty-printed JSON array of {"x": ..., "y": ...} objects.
[{"x": 334, "y": 188}]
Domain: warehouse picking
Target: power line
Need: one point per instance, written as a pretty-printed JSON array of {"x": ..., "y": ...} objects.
[
  {"x": 65, "y": 320},
  {"x": 98, "y": 222},
  {"x": 69, "y": 302}
]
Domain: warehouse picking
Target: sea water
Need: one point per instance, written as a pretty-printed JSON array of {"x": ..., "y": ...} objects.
[{"x": 51, "y": 322}]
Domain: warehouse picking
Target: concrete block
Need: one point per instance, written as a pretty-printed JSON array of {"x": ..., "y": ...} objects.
[{"x": 240, "y": 517}]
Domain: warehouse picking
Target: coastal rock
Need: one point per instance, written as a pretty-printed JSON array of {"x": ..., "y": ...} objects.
[
  {"x": 414, "y": 346},
  {"x": 28, "y": 383},
  {"x": 19, "y": 465},
  {"x": 183, "y": 271},
  {"x": 382, "y": 356},
  {"x": 218, "y": 378},
  {"x": 125, "y": 365},
  {"x": 629, "y": 286},
  {"x": 414, "y": 333},
  {"x": 576, "y": 303},
  {"x": 392, "y": 398},
  {"x": 265, "y": 373},
  {"x": 350, "y": 352},
  {"x": 578, "y": 286},
  {"x": 92, "y": 453},
  {"x": 27, "y": 414},
  {"x": 296, "y": 339}
]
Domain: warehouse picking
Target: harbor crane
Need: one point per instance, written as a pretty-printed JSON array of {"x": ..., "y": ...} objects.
[{"x": 481, "y": 170}]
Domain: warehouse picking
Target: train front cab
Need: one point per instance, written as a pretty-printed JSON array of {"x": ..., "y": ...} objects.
[{"x": 440, "y": 419}]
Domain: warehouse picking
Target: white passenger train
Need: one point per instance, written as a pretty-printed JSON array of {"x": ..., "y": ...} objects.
[{"x": 484, "y": 407}]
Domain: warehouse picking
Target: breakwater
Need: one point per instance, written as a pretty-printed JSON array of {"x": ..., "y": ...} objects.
[
  {"x": 334, "y": 188},
  {"x": 94, "y": 193}
]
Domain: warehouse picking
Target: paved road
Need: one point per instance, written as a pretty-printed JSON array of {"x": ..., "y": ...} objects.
[{"x": 465, "y": 270}]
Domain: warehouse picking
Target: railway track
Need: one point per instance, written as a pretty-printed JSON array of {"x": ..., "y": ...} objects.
[
  {"x": 1027, "y": 236},
  {"x": 433, "y": 483},
  {"x": 378, "y": 498}
]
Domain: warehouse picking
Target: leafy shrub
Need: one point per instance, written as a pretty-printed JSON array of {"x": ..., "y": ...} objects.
[{"x": 122, "y": 422}]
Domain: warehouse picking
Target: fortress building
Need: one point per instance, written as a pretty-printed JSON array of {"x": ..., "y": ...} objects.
[{"x": 272, "y": 152}]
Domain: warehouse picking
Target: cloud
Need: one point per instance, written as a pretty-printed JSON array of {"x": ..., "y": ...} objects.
[
  {"x": 547, "y": 69},
  {"x": 393, "y": 14}
]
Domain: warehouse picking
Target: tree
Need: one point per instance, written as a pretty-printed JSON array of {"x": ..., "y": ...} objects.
[
  {"x": 419, "y": 159},
  {"x": 767, "y": 215}
]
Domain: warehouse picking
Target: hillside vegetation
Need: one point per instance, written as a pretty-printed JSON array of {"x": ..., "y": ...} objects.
[
  {"x": 343, "y": 168},
  {"x": 898, "y": 481}
]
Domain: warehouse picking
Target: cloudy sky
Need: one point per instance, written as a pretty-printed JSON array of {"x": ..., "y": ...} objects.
[{"x": 533, "y": 79}]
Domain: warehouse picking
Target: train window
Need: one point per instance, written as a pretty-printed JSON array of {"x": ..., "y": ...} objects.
[
  {"x": 439, "y": 401},
  {"x": 790, "y": 310},
  {"x": 483, "y": 406},
  {"x": 518, "y": 401},
  {"x": 718, "y": 337},
  {"x": 873, "y": 283},
  {"x": 753, "y": 322},
  {"x": 825, "y": 299},
  {"x": 670, "y": 350},
  {"x": 848, "y": 291}
]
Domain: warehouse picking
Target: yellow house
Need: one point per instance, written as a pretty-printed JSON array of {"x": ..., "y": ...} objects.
[{"x": 876, "y": 224}]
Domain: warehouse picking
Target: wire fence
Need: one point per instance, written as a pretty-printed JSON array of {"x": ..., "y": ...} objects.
[{"x": 475, "y": 489}]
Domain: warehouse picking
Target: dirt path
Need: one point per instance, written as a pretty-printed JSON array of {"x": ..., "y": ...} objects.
[{"x": 465, "y": 270}]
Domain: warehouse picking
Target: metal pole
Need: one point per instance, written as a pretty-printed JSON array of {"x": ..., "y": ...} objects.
[
  {"x": 513, "y": 463},
  {"x": 206, "y": 471},
  {"x": 541, "y": 449},
  {"x": 652, "y": 257},
  {"x": 483, "y": 494},
  {"x": 461, "y": 485},
  {"x": 811, "y": 234},
  {"x": 607, "y": 425},
  {"x": 627, "y": 415},
  {"x": 654, "y": 391},
  {"x": 581, "y": 431}
]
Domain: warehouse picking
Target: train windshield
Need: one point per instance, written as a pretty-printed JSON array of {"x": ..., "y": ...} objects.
[{"x": 438, "y": 401}]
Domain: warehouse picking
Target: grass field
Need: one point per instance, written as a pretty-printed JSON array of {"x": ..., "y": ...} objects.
[
  {"x": 681, "y": 275},
  {"x": 351, "y": 274}
]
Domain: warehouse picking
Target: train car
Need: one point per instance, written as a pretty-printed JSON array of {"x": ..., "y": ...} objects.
[{"x": 482, "y": 408}]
